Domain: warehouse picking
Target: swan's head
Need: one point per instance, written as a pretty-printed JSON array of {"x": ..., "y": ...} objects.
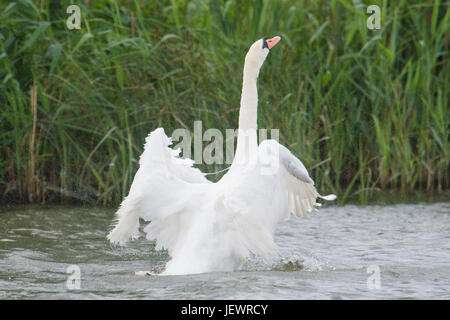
[{"x": 259, "y": 50}]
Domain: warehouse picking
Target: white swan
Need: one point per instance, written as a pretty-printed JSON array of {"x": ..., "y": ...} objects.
[{"x": 209, "y": 226}]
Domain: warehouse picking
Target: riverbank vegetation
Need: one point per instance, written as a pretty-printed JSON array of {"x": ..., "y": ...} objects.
[{"x": 365, "y": 110}]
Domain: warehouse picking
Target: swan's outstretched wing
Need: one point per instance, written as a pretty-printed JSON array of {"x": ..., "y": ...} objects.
[
  {"x": 276, "y": 185},
  {"x": 161, "y": 189},
  {"x": 300, "y": 191}
]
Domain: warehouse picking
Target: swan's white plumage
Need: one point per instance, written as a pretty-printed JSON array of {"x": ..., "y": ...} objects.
[
  {"x": 161, "y": 189},
  {"x": 209, "y": 226}
]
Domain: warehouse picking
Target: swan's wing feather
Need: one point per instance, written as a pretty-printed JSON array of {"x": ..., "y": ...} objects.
[
  {"x": 294, "y": 166},
  {"x": 160, "y": 191},
  {"x": 276, "y": 185},
  {"x": 300, "y": 191}
]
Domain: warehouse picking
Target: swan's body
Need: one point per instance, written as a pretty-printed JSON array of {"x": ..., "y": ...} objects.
[{"x": 214, "y": 226}]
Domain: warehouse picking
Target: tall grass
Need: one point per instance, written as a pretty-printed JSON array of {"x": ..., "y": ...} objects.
[{"x": 365, "y": 110}]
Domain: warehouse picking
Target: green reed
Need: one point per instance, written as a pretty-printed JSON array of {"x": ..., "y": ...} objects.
[{"x": 365, "y": 110}]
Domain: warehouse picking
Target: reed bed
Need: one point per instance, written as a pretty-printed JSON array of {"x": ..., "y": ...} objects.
[{"x": 365, "y": 110}]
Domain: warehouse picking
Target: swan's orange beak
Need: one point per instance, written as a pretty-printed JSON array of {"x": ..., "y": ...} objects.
[{"x": 272, "y": 42}]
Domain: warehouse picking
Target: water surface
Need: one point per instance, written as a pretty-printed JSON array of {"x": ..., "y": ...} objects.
[{"x": 326, "y": 256}]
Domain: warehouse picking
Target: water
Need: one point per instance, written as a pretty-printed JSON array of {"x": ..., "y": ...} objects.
[{"x": 326, "y": 256}]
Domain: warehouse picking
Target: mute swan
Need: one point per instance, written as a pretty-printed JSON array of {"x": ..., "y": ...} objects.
[{"x": 209, "y": 226}]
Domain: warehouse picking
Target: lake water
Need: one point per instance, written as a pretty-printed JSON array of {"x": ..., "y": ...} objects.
[{"x": 350, "y": 252}]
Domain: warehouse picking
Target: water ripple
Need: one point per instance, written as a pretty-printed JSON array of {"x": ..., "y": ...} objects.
[{"x": 324, "y": 257}]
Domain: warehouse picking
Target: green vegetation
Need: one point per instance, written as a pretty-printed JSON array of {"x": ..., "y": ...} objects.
[{"x": 365, "y": 110}]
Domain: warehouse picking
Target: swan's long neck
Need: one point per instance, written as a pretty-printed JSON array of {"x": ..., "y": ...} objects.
[{"x": 247, "y": 138}]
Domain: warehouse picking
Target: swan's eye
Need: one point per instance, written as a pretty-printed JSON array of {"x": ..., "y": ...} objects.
[{"x": 265, "y": 44}]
